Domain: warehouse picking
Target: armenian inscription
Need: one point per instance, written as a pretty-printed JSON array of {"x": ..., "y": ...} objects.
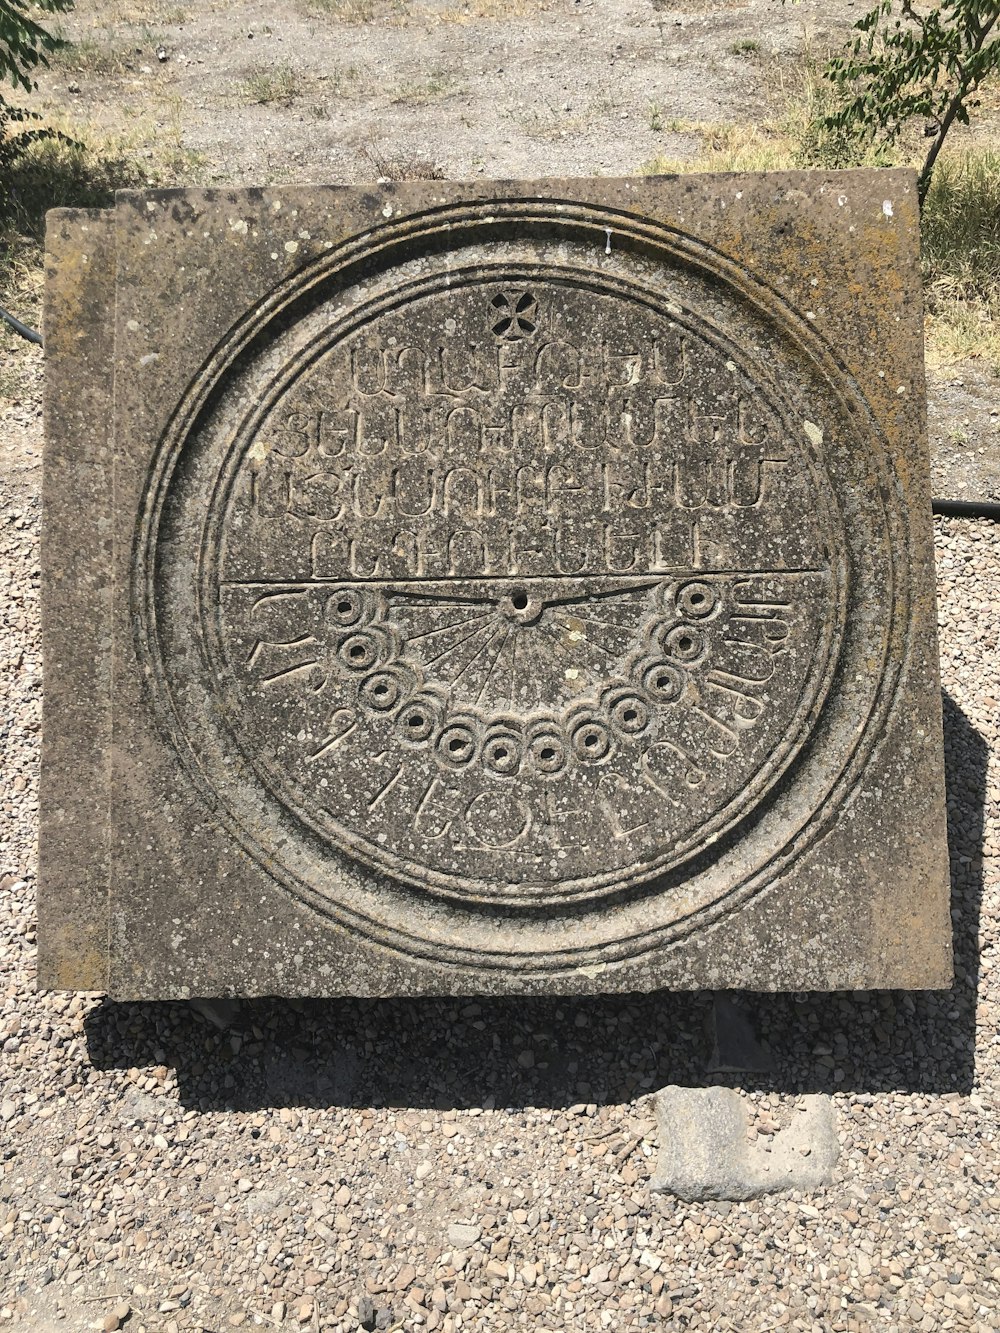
[{"x": 510, "y": 593}]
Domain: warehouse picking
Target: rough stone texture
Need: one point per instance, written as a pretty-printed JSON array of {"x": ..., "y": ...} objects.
[
  {"x": 706, "y": 1152},
  {"x": 513, "y": 588}
]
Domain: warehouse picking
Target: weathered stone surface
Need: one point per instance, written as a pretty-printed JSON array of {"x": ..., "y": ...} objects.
[
  {"x": 512, "y": 588},
  {"x": 705, "y": 1151},
  {"x": 75, "y": 847}
]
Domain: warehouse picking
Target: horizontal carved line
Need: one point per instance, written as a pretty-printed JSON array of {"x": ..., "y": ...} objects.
[{"x": 685, "y": 572}]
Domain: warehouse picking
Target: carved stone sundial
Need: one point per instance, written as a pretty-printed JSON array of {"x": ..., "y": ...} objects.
[
  {"x": 524, "y": 619},
  {"x": 521, "y": 585}
]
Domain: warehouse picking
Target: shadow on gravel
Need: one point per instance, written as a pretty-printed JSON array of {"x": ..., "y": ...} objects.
[{"x": 555, "y": 1053}]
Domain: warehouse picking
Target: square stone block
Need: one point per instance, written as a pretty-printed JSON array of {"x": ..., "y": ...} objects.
[{"x": 489, "y": 588}]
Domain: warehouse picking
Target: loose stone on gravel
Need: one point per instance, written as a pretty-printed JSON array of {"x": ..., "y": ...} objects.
[
  {"x": 117, "y": 1317},
  {"x": 709, "y": 1149},
  {"x": 462, "y": 1235}
]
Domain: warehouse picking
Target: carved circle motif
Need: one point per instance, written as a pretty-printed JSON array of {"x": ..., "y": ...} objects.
[{"x": 543, "y": 617}]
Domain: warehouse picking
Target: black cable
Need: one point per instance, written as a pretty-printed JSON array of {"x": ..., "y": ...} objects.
[
  {"x": 966, "y": 508},
  {"x": 20, "y": 328}
]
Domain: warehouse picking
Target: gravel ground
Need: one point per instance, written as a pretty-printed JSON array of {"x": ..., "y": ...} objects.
[{"x": 433, "y": 1165}]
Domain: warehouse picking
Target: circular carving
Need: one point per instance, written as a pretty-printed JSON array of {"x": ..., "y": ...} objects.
[
  {"x": 683, "y": 644},
  {"x": 383, "y": 691},
  {"x": 591, "y": 739},
  {"x": 502, "y": 752},
  {"x": 458, "y": 744},
  {"x": 663, "y": 682},
  {"x": 629, "y": 713},
  {"x": 522, "y": 582},
  {"x": 697, "y": 600},
  {"x": 418, "y": 720},
  {"x": 346, "y": 606},
  {"x": 547, "y": 752},
  {"x": 359, "y": 652}
]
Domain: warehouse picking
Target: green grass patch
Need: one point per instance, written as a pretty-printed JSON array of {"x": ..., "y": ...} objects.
[
  {"x": 960, "y": 226},
  {"x": 60, "y": 172},
  {"x": 77, "y": 166},
  {"x": 48, "y": 173},
  {"x": 97, "y": 59},
  {"x": 263, "y": 87},
  {"x": 960, "y": 242}
]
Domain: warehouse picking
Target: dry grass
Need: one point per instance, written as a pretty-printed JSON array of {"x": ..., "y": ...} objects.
[
  {"x": 82, "y": 168},
  {"x": 726, "y": 147},
  {"x": 472, "y": 10},
  {"x": 95, "y": 58},
  {"x": 360, "y": 11},
  {"x": 960, "y": 234},
  {"x": 962, "y": 331},
  {"x": 399, "y": 12},
  {"x": 128, "y": 13},
  {"x": 21, "y": 282},
  {"x": 396, "y": 164},
  {"x": 698, "y": 6},
  {"x": 107, "y": 56},
  {"x": 437, "y": 86},
  {"x": 267, "y": 86}
]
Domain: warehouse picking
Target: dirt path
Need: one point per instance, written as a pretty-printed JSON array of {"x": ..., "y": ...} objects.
[{"x": 509, "y": 88}]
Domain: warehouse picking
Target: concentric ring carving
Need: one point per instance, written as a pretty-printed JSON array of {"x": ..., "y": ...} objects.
[{"x": 655, "y": 750}]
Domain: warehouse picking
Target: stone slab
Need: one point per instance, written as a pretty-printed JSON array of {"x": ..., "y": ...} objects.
[
  {"x": 706, "y": 1151},
  {"x": 491, "y": 588}
]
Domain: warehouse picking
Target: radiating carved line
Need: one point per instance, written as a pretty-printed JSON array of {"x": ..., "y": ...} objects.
[
  {"x": 621, "y": 640},
  {"x": 624, "y": 594},
  {"x": 582, "y": 636},
  {"x": 542, "y": 665},
  {"x": 582, "y": 641},
  {"x": 450, "y": 648},
  {"x": 441, "y": 606},
  {"x": 489, "y": 673},
  {"x": 570, "y": 651},
  {"x": 498, "y": 630},
  {"x": 513, "y": 672},
  {"x": 453, "y": 624},
  {"x": 431, "y": 596},
  {"x": 497, "y": 667},
  {"x": 447, "y": 665},
  {"x": 612, "y": 625}
]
